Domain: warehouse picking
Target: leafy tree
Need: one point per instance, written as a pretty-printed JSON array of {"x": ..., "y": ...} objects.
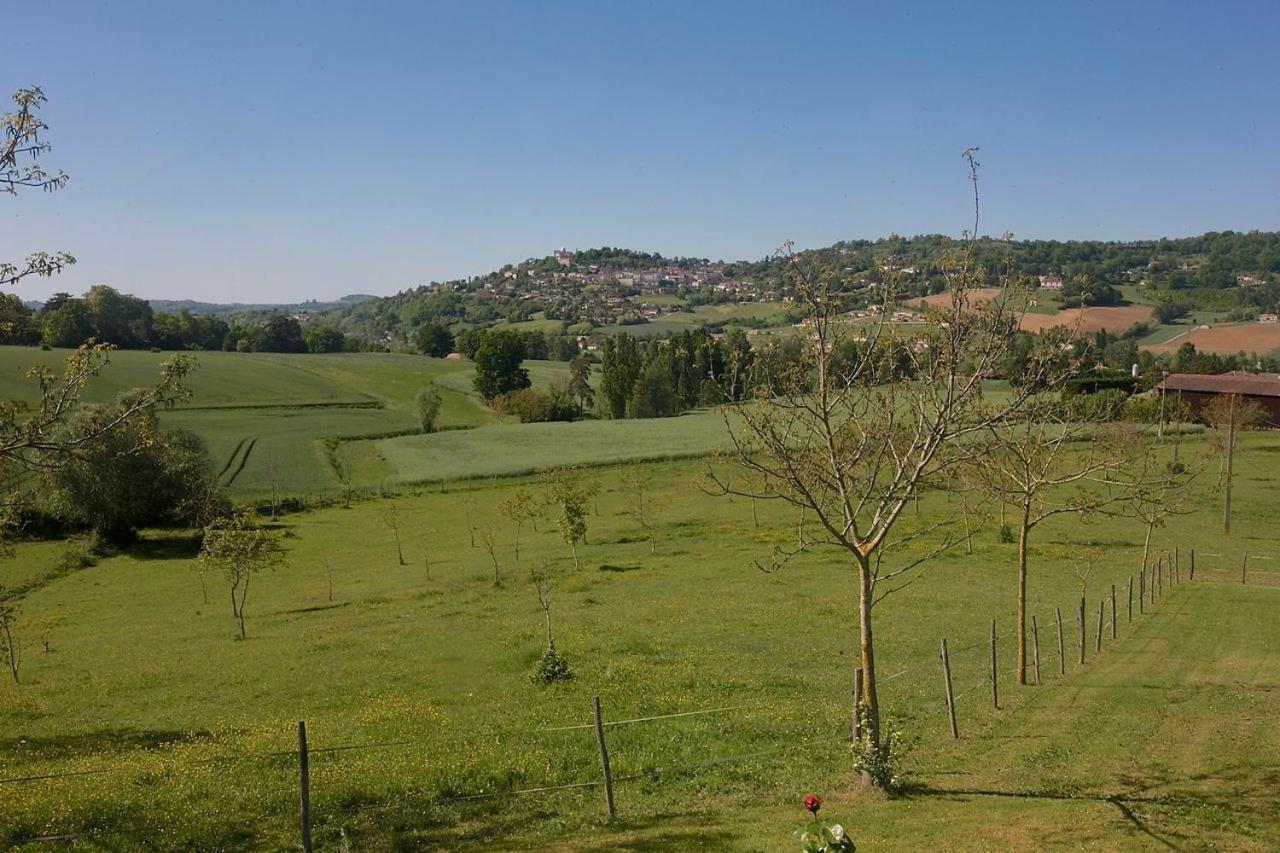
[
  {"x": 580, "y": 380},
  {"x": 571, "y": 496},
  {"x": 653, "y": 395},
  {"x": 20, "y": 150},
  {"x": 67, "y": 327},
  {"x": 429, "y": 402},
  {"x": 17, "y": 321},
  {"x": 620, "y": 368},
  {"x": 133, "y": 476},
  {"x": 498, "y": 364},
  {"x": 434, "y": 339},
  {"x": 117, "y": 318},
  {"x": 281, "y": 334},
  {"x": 325, "y": 338},
  {"x": 239, "y": 547}
]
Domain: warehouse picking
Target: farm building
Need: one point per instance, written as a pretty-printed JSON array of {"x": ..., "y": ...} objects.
[{"x": 1197, "y": 389}]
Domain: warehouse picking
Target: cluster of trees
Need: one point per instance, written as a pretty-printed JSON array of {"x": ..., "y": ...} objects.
[{"x": 662, "y": 377}]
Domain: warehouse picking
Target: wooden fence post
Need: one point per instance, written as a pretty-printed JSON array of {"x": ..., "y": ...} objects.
[
  {"x": 1244, "y": 565},
  {"x": 604, "y": 758},
  {"x": 1142, "y": 592},
  {"x": 304, "y": 785},
  {"x": 1160, "y": 576},
  {"x": 1113, "y": 611},
  {"x": 1102, "y": 615},
  {"x": 1177, "y": 568},
  {"x": 857, "y": 704},
  {"x": 1082, "y": 630},
  {"x": 1035, "y": 646},
  {"x": 1129, "y": 606},
  {"x": 946, "y": 682},
  {"x": 995, "y": 679},
  {"x": 1193, "y": 565},
  {"x": 1062, "y": 652}
]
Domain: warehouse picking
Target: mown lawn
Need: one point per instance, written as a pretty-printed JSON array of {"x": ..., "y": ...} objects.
[{"x": 1168, "y": 738}]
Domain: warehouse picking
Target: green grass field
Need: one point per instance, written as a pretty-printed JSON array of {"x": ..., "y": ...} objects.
[
  {"x": 1169, "y": 738},
  {"x": 266, "y": 417}
]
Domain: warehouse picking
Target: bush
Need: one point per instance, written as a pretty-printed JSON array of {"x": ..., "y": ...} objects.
[
  {"x": 429, "y": 407},
  {"x": 882, "y": 761},
  {"x": 552, "y": 667},
  {"x": 533, "y": 406}
]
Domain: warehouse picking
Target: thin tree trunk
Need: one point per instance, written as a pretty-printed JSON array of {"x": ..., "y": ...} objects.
[
  {"x": 1022, "y": 595},
  {"x": 517, "y": 541},
  {"x": 399, "y": 550},
  {"x": 1146, "y": 544},
  {"x": 871, "y": 724},
  {"x": 204, "y": 590},
  {"x": 574, "y": 546},
  {"x": 12, "y": 651},
  {"x": 244, "y": 594}
]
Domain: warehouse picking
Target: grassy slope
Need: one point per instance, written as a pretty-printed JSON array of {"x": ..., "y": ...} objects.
[
  {"x": 145, "y": 680},
  {"x": 271, "y": 411}
]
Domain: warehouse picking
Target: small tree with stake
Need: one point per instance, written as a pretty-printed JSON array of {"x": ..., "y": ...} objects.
[
  {"x": 1230, "y": 413},
  {"x": 643, "y": 504},
  {"x": 241, "y": 548},
  {"x": 553, "y": 666},
  {"x": 520, "y": 507}
]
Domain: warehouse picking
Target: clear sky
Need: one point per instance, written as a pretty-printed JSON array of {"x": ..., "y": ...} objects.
[{"x": 275, "y": 151}]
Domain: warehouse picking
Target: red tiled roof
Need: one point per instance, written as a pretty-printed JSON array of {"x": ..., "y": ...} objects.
[{"x": 1235, "y": 382}]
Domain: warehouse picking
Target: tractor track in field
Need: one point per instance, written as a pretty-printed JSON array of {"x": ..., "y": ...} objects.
[{"x": 248, "y": 449}]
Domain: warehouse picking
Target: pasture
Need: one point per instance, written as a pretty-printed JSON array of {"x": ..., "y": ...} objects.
[{"x": 1169, "y": 737}]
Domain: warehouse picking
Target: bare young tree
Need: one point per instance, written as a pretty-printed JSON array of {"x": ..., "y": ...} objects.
[
  {"x": 642, "y": 503},
  {"x": 520, "y": 507},
  {"x": 328, "y": 571},
  {"x": 490, "y": 543},
  {"x": 1045, "y": 465},
  {"x": 1228, "y": 414},
  {"x": 468, "y": 506},
  {"x": 542, "y": 586},
  {"x": 391, "y": 518},
  {"x": 872, "y": 411}
]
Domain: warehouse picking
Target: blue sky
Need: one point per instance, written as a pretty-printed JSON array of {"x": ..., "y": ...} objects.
[{"x": 279, "y": 151}]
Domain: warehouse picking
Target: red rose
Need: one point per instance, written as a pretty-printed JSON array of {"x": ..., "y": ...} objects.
[{"x": 813, "y": 803}]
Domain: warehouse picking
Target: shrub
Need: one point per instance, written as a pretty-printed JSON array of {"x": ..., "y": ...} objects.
[
  {"x": 533, "y": 406},
  {"x": 552, "y": 667},
  {"x": 429, "y": 407},
  {"x": 883, "y": 761}
]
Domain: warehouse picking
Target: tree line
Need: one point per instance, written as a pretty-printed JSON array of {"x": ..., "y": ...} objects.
[{"x": 105, "y": 315}]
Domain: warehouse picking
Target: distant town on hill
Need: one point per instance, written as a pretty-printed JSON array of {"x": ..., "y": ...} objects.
[{"x": 1222, "y": 277}]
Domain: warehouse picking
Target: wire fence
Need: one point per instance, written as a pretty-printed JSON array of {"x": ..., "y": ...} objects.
[{"x": 1089, "y": 627}]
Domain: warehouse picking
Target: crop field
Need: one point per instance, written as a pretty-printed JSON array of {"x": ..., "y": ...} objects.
[
  {"x": 1089, "y": 320},
  {"x": 415, "y": 675},
  {"x": 266, "y": 417},
  {"x": 1260, "y": 338}
]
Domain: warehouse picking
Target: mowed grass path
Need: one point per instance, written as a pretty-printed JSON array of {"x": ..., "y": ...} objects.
[{"x": 1170, "y": 734}]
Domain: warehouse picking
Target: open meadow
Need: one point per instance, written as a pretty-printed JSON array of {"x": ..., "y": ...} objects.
[{"x": 144, "y": 721}]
